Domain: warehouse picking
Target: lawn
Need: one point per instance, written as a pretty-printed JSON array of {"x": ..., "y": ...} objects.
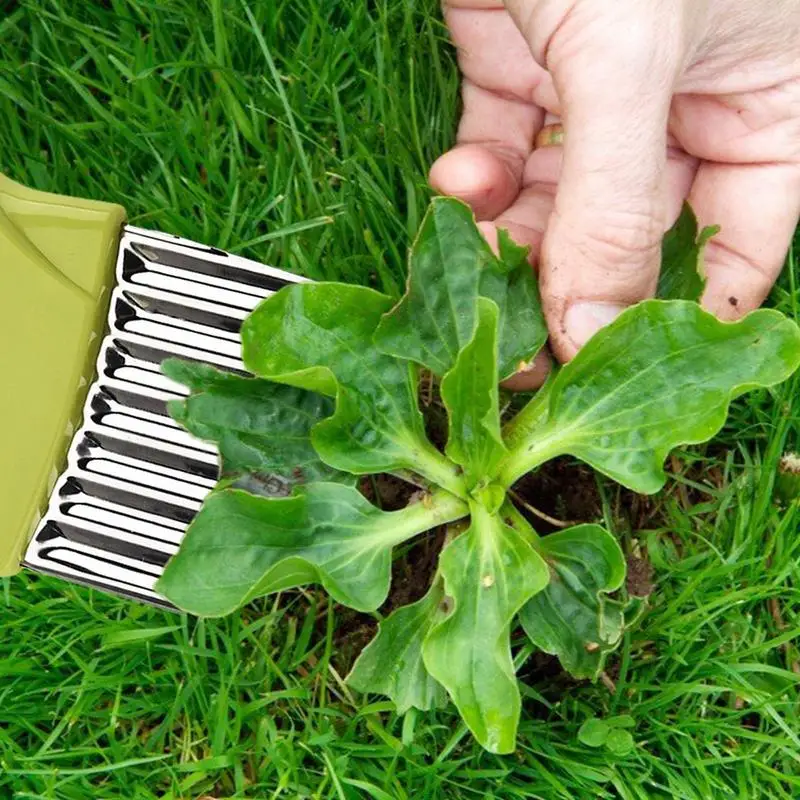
[{"x": 299, "y": 134}]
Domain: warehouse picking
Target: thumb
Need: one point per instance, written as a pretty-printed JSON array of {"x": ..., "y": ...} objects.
[{"x": 614, "y": 68}]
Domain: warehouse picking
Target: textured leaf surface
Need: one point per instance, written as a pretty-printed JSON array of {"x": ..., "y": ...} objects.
[
  {"x": 470, "y": 394},
  {"x": 318, "y": 337},
  {"x": 620, "y": 742},
  {"x": 489, "y": 572},
  {"x": 572, "y": 618},
  {"x": 594, "y": 732},
  {"x": 262, "y": 429},
  {"x": 451, "y": 265},
  {"x": 682, "y": 276},
  {"x": 663, "y": 374},
  {"x": 392, "y": 665},
  {"x": 240, "y": 546}
]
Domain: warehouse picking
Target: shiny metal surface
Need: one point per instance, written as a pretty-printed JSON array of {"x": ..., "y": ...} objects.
[{"x": 134, "y": 479}]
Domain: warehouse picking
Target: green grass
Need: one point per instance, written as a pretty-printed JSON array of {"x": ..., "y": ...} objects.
[{"x": 299, "y": 133}]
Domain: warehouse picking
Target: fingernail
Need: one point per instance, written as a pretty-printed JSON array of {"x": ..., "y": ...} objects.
[{"x": 583, "y": 320}]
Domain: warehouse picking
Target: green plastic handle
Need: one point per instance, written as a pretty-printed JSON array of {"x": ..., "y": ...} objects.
[{"x": 57, "y": 257}]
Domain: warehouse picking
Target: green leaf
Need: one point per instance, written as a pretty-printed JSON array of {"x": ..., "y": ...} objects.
[
  {"x": 621, "y": 721},
  {"x": 450, "y": 266},
  {"x": 471, "y": 395},
  {"x": 194, "y": 375},
  {"x": 489, "y": 572},
  {"x": 522, "y": 330},
  {"x": 391, "y": 664},
  {"x": 319, "y": 337},
  {"x": 620, "y": 742},
  {"x": 594, "y": 732},
  {"x": 662, "y": 374},
  {"x": 572, "y": 618},
  {"x": 262, "y": 429},
  {"x": 682, "y": 275},
  {"x": 240, "y": 547}
]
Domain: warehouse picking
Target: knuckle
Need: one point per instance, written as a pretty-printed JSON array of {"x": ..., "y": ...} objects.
[
  {"x": 612, "y": 39},
  {"x": 618, "y": 243}
]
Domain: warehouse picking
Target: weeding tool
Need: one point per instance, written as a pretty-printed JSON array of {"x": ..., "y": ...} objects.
[{"x": 97, "y": 483}]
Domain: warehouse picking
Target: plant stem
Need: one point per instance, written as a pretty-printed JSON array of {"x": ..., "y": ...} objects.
[
  {"x": 532, "y": 416},
  {"x": 529, "y": 441},
  {"x": 431, "y": 464},
  {"x": 437, "y": 509},
  {"x": 533, "y": 449},
  {"x": 514, "y": 519}
]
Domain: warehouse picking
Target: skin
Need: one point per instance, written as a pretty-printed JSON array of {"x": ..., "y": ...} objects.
[{"x": 660, "y": 101}]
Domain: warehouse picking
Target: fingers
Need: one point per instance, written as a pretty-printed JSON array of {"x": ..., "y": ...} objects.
[
  {"x": 757, "y": 207},
  {"x": 492, "y": 53},
  {"x": 499, "y": 119},
  {"x": 740, "y": 128},
  {"x": 495, "y": 137},
  {"x": 527, "y": 217},
  {"x": 602, "y": 248},
  {"x": 681, "y": 171},
  {"x": 750, "y": 185}
]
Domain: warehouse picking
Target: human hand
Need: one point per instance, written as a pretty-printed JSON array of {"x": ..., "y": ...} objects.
[{"x": 661, "y": 101}]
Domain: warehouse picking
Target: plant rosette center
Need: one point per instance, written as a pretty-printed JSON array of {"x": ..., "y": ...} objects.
[{"x": 489, "y": 496}]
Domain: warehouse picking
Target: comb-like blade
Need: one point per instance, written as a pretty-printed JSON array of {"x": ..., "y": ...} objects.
[{"x": 134, "y": 479}]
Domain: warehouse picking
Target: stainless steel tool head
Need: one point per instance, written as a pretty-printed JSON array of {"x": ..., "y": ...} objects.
[{"x": 133, "y": 478}]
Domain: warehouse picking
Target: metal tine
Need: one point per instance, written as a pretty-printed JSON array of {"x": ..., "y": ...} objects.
[
  {"x": 135, "y": 496},
  {"x": 119, "y": 540},
  {"x": 117, "y": 365},
  {"x": 130, "y": 319},
  {"x": 133, "y": 396},
  {"x": 129, "y": 479},
  {"x": 125, "y": 380},
  {"x": 155, "y": 451},
  {"x": 134, "y": 564},
  {"x": 122, "y": 425},
  {"x": 136, "y": 276},
  {"x": 83, "y": 506},
  {"x": 216, "y": 315},
  {"x": 138, "y": 471},
  {"x": 105, "y": 410},
  {"x": 191, "y": 268},
  {"x": 155, "y": 309},
  {"x": 244, "y": 268},
  {"x": 77, "y": 560},
  {"x": 157, "y": 350}
]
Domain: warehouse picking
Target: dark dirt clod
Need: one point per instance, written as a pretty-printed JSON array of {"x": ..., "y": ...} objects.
[
  {"x": 544, "y": 673},
  {"x": 435, "y": 414},
  {"x": 562, "y": 489},
  {"x": 354, "y": 631},
  {"x": 639, "y": 581},
  {"x": 392, "y": 493}
]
